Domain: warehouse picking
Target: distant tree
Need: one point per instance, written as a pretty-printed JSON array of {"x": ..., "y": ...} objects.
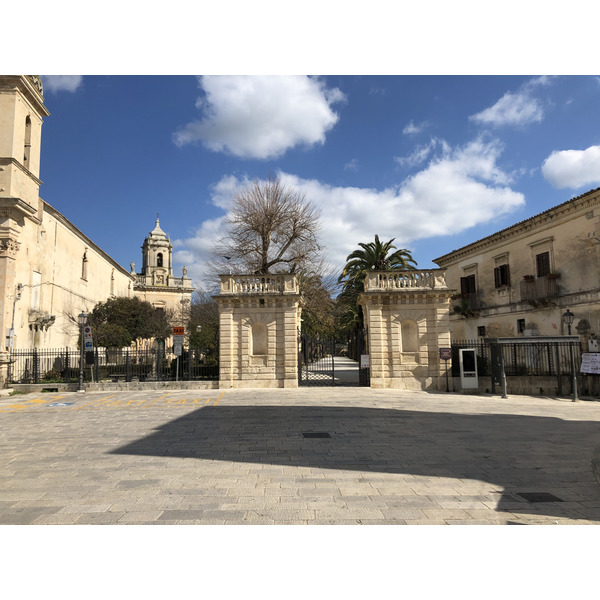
[
  {"x": 317, "y": 306},
  {"x": 121, "y": 321},
  {"x": 204, "y": 315},
  {"x": 271, "y": 228}
]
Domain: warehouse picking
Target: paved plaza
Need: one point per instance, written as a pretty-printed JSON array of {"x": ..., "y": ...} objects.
[{"x": 337, "y": 455}]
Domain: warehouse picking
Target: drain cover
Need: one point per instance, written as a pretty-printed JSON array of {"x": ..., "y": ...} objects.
[
  {"x": 539, "y": 497},
  {"x": 315, "y": 434}
]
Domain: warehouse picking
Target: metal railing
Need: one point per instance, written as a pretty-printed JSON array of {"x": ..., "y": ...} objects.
[
  {"x": 539, "y": 288},
  {"x": 543, "y": 359},
  {"x": 63, "y": 365}
]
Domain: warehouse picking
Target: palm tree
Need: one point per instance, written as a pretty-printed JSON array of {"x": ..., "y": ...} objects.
[{"x": 374, "y": 256}]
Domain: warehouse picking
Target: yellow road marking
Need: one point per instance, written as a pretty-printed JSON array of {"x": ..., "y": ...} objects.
[
  {"x": 217, "y": 400},
  {"x": 155, "y": 401},
  {"x": 135, "y": 402},
  {"x": 95, "y": 402}
]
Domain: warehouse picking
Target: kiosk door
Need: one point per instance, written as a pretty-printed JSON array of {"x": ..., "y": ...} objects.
[{"x": 468, "y": 369}]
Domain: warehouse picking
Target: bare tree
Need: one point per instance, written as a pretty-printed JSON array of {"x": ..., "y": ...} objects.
[{"x": 272, "y": 228}]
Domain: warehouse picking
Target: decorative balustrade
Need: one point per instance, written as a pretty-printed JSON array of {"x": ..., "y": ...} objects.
[
  {"x": 401, "y": 280},
  {"x": 259, "y": 284}
]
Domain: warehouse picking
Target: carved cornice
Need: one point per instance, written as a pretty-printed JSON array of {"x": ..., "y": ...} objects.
[
  {"x": 28, "y": 85},
  {"x": 139, "y": 287},
  {"x": 586, "y": 201},
  {"x": 15, "y": 208},
  {"x": 10, "y": 161}
]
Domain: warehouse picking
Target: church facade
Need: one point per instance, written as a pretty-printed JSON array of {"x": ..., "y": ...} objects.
[{"x": 50, "y": 271}]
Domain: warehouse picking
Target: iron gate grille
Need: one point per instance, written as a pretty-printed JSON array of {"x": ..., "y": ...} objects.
[{"x": 315, "y": 362}]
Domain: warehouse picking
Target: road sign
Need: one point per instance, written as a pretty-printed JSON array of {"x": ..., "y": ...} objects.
[
  {"x": 88, "y": 343},
  {"x": 178, "y": 331},
  {"x": 445, "y": 353}
]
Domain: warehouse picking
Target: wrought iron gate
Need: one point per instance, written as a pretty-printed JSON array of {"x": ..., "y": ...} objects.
[{"x": 317, "y": 361}]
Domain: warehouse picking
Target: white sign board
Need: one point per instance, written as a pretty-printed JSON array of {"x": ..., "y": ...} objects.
[
  {"x": 364, "y": 361},
  {"x": 590, "y": 363},
  {"x": 178, "y": 344}
]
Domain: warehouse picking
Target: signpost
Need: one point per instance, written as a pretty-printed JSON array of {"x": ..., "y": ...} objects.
[
  {"x": 178, "y": 335},
  {"x": 446, "y": 355},
  {"x": 88, "y": 345}
]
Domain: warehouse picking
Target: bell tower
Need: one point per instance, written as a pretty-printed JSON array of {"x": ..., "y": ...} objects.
[
  {"x": 21, "y": 113},
  {"x": 156, "y": 283},
  {"x": 157, "y": 266}
]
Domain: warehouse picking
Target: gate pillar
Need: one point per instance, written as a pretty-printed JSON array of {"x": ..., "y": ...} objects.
[
  {"x": 407, "y": 316},
  {"x": 259, "y": 318}
]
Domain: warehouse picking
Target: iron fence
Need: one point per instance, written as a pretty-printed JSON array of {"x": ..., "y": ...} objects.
[
  {"x": 64, "y": 365},
  {"x": 544, "y": 359}
]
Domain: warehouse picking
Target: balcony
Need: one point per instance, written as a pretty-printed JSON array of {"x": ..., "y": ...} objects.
[
  {"x": 539, "y": 289},
  {"x": 258, "y": 284},
  {"x": 428, "y": 279}
]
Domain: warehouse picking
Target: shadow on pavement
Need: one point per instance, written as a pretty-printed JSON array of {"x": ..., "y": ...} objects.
[{"x": 523, "y": 454}]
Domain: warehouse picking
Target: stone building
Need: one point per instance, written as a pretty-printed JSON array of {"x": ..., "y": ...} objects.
[
  {"x": 521, "y": 280},
  {"x": 50, "y": 271}
]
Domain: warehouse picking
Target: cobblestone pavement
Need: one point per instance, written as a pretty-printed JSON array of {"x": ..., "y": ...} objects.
[{"x": 306, "y": 456}]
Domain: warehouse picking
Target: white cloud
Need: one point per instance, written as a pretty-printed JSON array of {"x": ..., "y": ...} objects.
[
  {"x": 421, "y": 153},
  {"x": 462, "y": 188},
  {"x": 261, "y": 116},
  {"x": 573, "y": 168},
  {"x": 62, "y": 83},
  {"x": 352, "y": 165},
  {"x": 511, "y": 109},
  {"x": 412, "y": 129},
  {"x": 518, "y": 108}
]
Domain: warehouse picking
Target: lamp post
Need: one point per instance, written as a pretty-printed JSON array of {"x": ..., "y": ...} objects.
[
  {"x": 568, "y": 318},
  {"x": 82, "y": 320}
]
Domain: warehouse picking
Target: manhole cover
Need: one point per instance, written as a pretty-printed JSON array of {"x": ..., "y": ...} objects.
[
  {"x": 539, "y": 497},
  {"x": 315, "y": 434}
]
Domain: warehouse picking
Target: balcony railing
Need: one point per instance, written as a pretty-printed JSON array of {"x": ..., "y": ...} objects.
[
  {"x": 539, "y": 288},
  {"x": 259, "y": 284},
  {"x": 402, "y": 280}
]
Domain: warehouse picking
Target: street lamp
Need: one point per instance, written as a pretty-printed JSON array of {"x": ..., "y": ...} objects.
[
  {"x": 82, "y": 320},
  {"x": 568, "y": 318}
]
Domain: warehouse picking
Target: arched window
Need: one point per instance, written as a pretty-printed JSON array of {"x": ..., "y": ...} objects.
[
  {"x": 27, "y": 145},
  {"x": 258, "y": 339},
  {"x": 159, "y": 259},
  {"x": 409, "y": 336}
]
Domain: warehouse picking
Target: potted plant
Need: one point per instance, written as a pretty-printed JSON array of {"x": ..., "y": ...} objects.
[{"x": 529, "y": 278}]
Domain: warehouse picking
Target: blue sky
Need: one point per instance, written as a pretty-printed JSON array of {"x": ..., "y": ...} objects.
[{"x": 435, "y": 162}]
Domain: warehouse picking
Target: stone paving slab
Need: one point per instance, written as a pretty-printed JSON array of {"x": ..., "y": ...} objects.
[{"x": 239, "y": 457}]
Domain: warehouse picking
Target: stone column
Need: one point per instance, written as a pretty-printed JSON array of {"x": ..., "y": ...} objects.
[
  {"x": 259, "y": 319},
  {"x": 8, "y": 283}
]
